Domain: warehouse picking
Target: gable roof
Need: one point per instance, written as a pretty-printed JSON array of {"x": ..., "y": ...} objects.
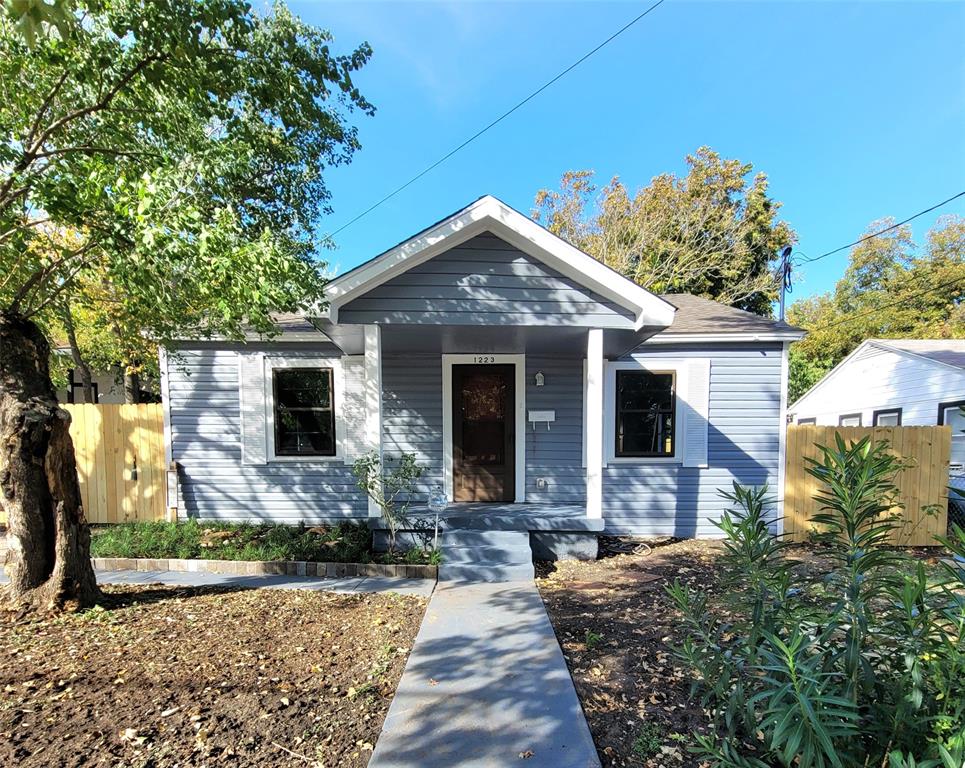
[
  {"x": 488, "y": 214},
  {"x": 941, "y": 352},
  {"x": 697, "y": 315}
]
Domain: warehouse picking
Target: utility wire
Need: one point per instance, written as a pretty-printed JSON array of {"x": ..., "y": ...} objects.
[
  {"x": 807, "y": 260},
  {"x": 903, "y": 300},
  {"x": 497, "y": 121}
]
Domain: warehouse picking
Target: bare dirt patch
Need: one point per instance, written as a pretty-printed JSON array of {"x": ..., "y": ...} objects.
[
  {"x": 169, "y": 676},
  {"x": 617, "y": 628}
]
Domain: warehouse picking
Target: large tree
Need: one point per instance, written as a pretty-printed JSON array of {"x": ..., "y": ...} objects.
[
  {"x": 183, "y": 144},
  {"x": 889, "y": 290},
  {"x": 713, "y": 232}
]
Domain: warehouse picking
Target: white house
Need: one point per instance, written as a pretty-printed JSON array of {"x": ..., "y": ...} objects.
[{"x": 893, "y": 382}]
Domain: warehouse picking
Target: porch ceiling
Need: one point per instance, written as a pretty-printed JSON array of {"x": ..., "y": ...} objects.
[{"x": 564, "y": 341}]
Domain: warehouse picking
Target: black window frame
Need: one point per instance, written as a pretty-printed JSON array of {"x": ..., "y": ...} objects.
[
  {"x": 885, "y": 412},
  {"x": 942, "y": 407},
  {"x": 617, "y": 452},
  {"x": 810, "y": 422},
  {"x": 844, "y": 416},
  {"x": 331, "y": 409}
]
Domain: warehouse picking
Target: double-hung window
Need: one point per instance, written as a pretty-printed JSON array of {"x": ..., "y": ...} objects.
[
  {"x": 645, "y": 413},
  {"x": 887, "y": 417},
  {"x": 953, "y": 414},
  {"x": 304, "y": 411}
]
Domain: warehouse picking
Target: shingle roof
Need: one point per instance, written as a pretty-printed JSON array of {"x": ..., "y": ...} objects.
[
  {"x": 948, "y": 351},
  {"x": 699, "y": 315}
]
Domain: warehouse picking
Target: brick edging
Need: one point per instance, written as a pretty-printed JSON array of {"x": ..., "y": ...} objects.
[{"x": 265, "y": 567}]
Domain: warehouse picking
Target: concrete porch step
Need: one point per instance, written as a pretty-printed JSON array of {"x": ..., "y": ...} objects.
[
  {"x": 464, "y": 537},
  {"x": 486, "y": 572},
  {"x": 489, "y": 554}
]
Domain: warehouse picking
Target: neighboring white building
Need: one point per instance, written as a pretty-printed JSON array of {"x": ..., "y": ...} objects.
[{"x": 890, "y": 382}]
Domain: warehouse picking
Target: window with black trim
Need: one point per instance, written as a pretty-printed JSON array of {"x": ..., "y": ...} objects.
[
  {"x": 807, "y": 422},
  {"x": 645, "y": 405},
  {"x": 886, "y": 417},
  {"x": 953, "y": 415},
  {"x": 304, "y": 411},
  {"x": 850, "y": 420}
]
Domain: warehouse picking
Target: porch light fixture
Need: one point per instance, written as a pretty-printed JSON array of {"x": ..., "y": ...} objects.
[{"x": 540, "y": 379}]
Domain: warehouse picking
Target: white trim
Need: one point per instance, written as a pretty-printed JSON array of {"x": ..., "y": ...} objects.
[
  {"x": 689, "y": 338},
  {"x": 373, "y": 399},
  {"x": 583, "y": 456},
  {"x": 166, "y": 410},
  {"x": 782, "y": 444},
  {"x": 680, "y": 370},
  {"x": 594, "y": 423},
  {"x": 338, "y": 386},
  {"x": 491, "y": 215},
  {"x": 520, "y": 438}
]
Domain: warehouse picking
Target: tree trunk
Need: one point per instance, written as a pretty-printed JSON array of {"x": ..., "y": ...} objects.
[
  {"x": 86, "y": 378},
  {"x": 132, "y": 388},
  {"x": 49, "y": 542}
]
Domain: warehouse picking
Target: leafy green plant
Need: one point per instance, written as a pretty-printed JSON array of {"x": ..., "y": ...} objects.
[
  {"x": 390, "y": 488},
  {"x": 851, "y": 659},
  {"x": 648, "y": 741},
  {"x": 592, "y": 639}
]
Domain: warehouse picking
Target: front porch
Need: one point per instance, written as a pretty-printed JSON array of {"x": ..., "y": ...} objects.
[{"x": 509, "y": 516}]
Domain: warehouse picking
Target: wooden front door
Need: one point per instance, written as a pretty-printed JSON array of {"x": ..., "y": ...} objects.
[{"x": 483, "y": 433}]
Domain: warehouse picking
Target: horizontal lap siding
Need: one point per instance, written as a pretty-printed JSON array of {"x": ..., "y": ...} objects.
[
  {"x": 412, "y": 413},
  {"x": 485, "y": 281},
  {"x": 556, "y": 454},
  {"x": 206, "y": 443},
  {"x": 743, "y": 445}
]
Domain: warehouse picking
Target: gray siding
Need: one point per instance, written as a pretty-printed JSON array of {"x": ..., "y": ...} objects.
[
  {"x": 206, "y": 442},
  {"x": 743, "y": 445},
  {"x": 412, "y": 413},
  {"x": 556, "y": 454},
  {"x": 484, "y": 281}
]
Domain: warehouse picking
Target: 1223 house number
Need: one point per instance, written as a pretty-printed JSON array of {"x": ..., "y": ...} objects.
[{"x": 484, "y": 358}]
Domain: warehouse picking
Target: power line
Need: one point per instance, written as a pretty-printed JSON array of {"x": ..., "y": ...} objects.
[
  {"x": 903, "y": 300},
  {"x": 498, "y": 120},
  {"x": 807, "y": 260}
]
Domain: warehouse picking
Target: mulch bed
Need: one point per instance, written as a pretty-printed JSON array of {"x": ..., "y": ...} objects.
[
  {"x": 633, "y": 691},
  {"x": 168, "y": 676}
]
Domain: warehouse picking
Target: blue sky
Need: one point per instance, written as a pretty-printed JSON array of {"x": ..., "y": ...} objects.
[{"x": 855, "y": 111}]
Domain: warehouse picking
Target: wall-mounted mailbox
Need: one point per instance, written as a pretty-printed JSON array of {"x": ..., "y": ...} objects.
[{"x": 546, "y": 417}]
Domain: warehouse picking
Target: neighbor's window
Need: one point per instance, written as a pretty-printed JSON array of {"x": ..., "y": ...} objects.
[
  {"x": 889, "y": 417},
  {"x": 953, "y": 415},
  {"x": 645, "y": 413},
  {"x": 807, "y": 422},
  {"x": 850, "y": 420},
  {"x": 304, "y": 412}
]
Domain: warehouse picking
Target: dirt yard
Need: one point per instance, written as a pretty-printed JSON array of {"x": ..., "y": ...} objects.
[
  {"x": 616, "y": 627},
  {"x": 170, "y": 676}
]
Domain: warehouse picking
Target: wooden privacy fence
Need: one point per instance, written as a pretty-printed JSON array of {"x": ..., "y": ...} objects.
[
  {"x": 923, "y": 486},
  {"x": 120, "y": 461}
]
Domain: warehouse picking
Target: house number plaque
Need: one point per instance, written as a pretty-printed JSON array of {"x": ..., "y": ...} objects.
[{"x": 484, "y": 358}]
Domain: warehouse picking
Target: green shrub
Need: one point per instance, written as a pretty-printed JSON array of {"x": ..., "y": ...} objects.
[
  {"x": 858, "y": 663},
  {"x": 648, "y": 741}
]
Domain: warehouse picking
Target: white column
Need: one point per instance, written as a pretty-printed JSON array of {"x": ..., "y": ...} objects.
[
  {"x": 782, "y": 444},
  {"x": 594, "y": 423},
  {"x": 373, "y": 397}
]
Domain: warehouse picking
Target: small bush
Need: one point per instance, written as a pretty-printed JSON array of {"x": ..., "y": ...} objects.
[
  {"x": 345, "y": 542},
  {"x": 858, "y": 664}
]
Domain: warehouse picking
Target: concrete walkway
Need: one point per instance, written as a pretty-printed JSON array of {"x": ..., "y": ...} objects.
[
  {"x": 420, "y": 587},
  {"x": 486, "y": 685}
]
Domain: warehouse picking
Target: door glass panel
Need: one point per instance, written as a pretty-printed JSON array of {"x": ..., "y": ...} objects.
[{"x": 484, "y": 418}]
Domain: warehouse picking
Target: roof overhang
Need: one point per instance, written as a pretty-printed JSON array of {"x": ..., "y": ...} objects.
[{"x": 491, "y": 215}]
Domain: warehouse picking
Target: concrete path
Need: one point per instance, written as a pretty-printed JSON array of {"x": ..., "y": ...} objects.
[
  {"x": 486, "y": 685},
  {"x": 420, "y": 587}
]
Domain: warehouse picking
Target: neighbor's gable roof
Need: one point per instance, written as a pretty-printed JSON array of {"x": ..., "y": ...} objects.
[
  {"x": 491, "y": 215},
  {"x": 941, "y": 352}
]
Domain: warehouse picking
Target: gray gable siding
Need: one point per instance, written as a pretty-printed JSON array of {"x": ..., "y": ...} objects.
[
  {"x": 206, "y": 442},
  {"x": 743, "y": 445},
  {"x": 485, "y": 281}
]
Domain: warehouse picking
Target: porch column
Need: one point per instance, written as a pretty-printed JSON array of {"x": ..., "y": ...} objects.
[
  {"x": 373, "y": 398},
  {"x": 594, "y": 423}
]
